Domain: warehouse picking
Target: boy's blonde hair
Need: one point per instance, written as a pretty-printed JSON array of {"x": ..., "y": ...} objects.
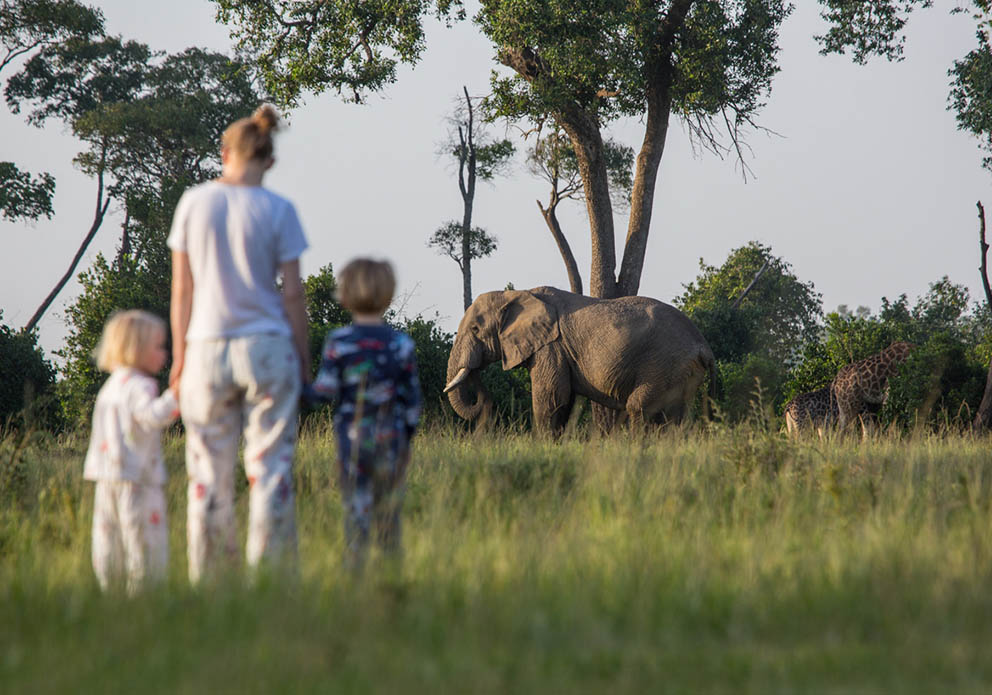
[
  {"x": 125, "y": 335},
  {"x": 366, "y": 286}
]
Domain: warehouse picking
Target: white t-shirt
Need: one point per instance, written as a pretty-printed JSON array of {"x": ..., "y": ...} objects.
[{"x": 236, "y": 237}]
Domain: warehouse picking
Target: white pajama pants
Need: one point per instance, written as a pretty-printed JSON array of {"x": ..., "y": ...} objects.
[
  {"x": 249, "y": 385},
  {"x": 130, "y": 534}
]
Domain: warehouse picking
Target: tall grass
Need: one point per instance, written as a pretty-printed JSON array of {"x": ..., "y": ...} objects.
[{"x": 728, "y": 559}]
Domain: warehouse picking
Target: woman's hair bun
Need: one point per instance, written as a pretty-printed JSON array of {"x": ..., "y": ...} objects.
[{"x": 266, "y": 118}]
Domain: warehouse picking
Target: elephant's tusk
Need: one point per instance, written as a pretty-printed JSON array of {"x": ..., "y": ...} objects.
[{"x": 461, "y": 376}]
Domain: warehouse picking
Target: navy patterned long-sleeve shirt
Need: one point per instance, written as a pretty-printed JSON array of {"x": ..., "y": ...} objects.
[{"x": 371, "y": 372}]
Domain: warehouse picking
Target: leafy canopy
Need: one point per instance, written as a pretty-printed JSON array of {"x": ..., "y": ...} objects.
[
  {"x": 608, "y": 57},
  {"x": 553, "y": 159},
  {"x": 23, "y": 196},
  {"x": 352, "y": 47},
  {"x": 26, "y": 25},
  {"x": 448, "y": 241},
  {"x": 779, "y": 314}
]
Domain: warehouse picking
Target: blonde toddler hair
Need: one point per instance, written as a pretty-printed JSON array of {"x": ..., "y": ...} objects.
[
  {"x": 251, "y": 137},
  {"x": 125, "y": 335},
  {"x": 366, "y": 286}
]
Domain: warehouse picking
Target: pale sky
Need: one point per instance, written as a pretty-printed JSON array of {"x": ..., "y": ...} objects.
[{"x": 871, "y": 190}]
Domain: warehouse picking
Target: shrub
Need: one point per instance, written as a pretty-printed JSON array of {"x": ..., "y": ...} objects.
[
  {"x": 27, "y": 380},
  {"x": 125, "y": 284},
  {"x": 939, "y": 383}
]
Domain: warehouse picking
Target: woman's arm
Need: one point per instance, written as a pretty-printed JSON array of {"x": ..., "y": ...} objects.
[
  {"x": 294, "y": 302},
  {"x": 179, "y": 312}
]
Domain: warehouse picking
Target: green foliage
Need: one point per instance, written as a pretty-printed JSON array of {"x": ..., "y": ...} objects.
[
  {"x": 971, "y": 96},
  {"x": 350, "y": 47},
  {"x": 553, "y": 159},
  {"x": 738, "y": 382},
  {"x": 106, "y": 288},
  {"x": 944, "y": 376},
  {"x": 324, "y": 313},
  {"x": 23, "y": 196},
  {"x": 867, "y": 28},
  {"x": 510, "y": 391},
  {"x": 28, "y": 25},
  {"x": 27, "y": 381},
  {"x": 939, "y": 385},
  {"x": 447, "y": 239},
  {"x": 722, "y": 57},
  {"x": 493, "y": 158},
  {"x": 432, "y": 348},
  {"x": 779, "y": 314}
]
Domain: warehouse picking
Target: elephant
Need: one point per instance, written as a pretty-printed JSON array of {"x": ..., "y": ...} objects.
[{"x": 633, "y": 354}]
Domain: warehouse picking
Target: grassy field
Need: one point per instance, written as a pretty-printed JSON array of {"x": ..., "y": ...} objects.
[{"x": 730, "y": 560}]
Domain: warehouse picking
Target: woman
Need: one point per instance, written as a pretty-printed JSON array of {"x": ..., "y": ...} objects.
[{"x": 239, "y": 348}]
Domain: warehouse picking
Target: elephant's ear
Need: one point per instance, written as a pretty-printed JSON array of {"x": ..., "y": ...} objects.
[{"x": 526, "y": 325}]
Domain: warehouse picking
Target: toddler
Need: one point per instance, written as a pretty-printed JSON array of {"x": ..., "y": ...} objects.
[
  {"x": 130, "y": 534},
  {"x": 371, "y": 371}
]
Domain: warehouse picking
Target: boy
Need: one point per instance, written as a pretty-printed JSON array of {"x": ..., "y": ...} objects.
[{"x": 371, "y": 371}]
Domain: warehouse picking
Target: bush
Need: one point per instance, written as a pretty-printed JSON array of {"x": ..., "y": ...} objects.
[
  {"x": 940, "y": 383},
  {"x": 125, "y": 284},
  {"x": 738, "y": 382},
  {"x": 27, "y": 381}
]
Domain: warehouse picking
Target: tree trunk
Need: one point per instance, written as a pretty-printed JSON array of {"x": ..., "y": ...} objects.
[
  {"x": 645, "y": 182},
  {"x": 983, "y": 419},
  {"x": 587, "y": 140},
  {"x": 125, "y": 250},
  {"x": 101, "y": 210},
  {"x": 571, "y": 267},
  {"x": 467, "y": 162}
]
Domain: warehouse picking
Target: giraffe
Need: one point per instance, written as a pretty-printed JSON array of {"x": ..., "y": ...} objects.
[
  {"x": 866, "y": 382},
  {"x": 814, "y": 409}
]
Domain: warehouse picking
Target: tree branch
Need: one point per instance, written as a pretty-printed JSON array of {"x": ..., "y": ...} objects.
[
  {"x": 101, "y": 210},
  {"x": 983, "y": 269},
  {"x": 754, "y": 280}
]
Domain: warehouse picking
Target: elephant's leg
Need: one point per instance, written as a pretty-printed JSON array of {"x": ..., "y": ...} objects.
[
  {"x": 551, "y": 389},
  {"x": 648, "y": 404}
]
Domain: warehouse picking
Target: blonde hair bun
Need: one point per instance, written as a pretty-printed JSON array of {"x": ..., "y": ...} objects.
[{"x": 265, "y": 118}]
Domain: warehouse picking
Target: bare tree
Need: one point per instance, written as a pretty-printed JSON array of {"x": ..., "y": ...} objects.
[
  {"x": 983, "y": 419},
  {"x": 478, "y": 157}
]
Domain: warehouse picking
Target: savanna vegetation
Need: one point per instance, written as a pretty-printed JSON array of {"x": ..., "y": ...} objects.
[
  {"x": 720, "y": 556},
  {"x": 725, "y": 559}
]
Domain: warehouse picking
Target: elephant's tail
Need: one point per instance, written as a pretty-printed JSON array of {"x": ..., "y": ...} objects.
[{"x": 710, "y": 363}]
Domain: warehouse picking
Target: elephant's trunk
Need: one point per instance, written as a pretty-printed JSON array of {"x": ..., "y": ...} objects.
[{"x": 468, "y": 397}]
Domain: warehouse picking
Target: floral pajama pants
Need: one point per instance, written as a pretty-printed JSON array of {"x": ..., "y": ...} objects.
[
  {"x": 130, "y": 534},
  {"x": 372, "y": 504},
  {"x": 249, "y": 385}
]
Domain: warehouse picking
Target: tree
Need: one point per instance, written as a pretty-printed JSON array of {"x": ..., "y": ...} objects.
[
  {"x": 756, "y": 316},
  {"x": 25, "y": 375},
  {"x": 944, "y": 372},
  {"x": 28, "y": 26},
  {"x": 479, "y": 158},
  {"x": 587, "y": 64},
  {"x": 553, "y": 160},
  {"x": 449, "y": 239},
  {"x": 151, "y": 129},
  {"x": 312, "y": 45},
  {"x": 149, "y": 148},
  {"x": 67, "y": 81},
  {"x": 23, "y": 196},
  {"x": 778, "y": 314}
]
